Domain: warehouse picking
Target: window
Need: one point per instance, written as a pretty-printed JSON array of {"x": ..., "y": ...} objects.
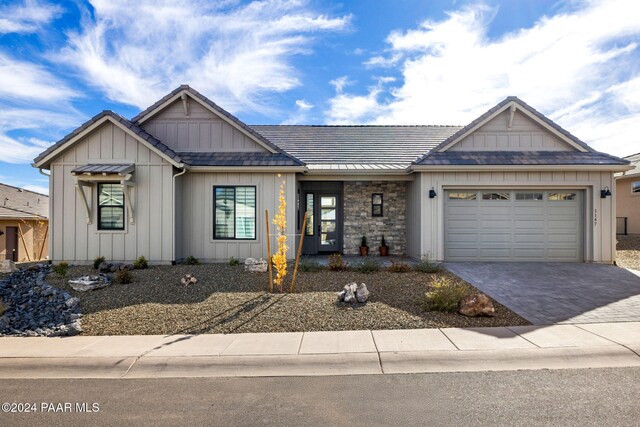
[
  {"x": 529, "y": 196},
  {"x": 234, "y": 214},
  {"x": 562, "y": 196},
  {"x": 110, "y": 206},
  {"x": 635, "y": 187},
  {"x": 309, "y": 208},
  {"x": 376, "y": 204},
  {"x": 495, "y": 196},
  {"x": 462, "y": 196}
]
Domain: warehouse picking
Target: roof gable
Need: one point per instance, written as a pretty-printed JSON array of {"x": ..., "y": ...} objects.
[
  {"x": 510, "y": 107},
  {"x": 20, "y": 203}
]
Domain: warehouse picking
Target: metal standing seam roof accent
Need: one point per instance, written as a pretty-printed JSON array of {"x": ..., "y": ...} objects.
[
  {"x": 237, "y": 159},
  {"x": 219, "y": 110},
  {"x": 20, "y": 203},
  {"x": 105, "y": 168},
  {"x": 473, "y": 158},
  {"x": 156, "y": 143},
  {"x": 383, "y": 146}
]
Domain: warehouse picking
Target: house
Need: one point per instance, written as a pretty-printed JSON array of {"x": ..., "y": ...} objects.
[
  {"x": 24, "y": 224},
  {"x": 185, "y": 177},
  {"x": 628, "y": 198}
]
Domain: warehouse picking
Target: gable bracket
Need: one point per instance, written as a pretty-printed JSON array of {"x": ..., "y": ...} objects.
[
  {"x": 185, "y": 104},
  {"x": 79, "y": 188},
  {"x": 512, "y": 112}
]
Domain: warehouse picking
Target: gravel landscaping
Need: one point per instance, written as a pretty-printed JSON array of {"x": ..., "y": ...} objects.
[
  {"x": 628, "y": 251},
  {"x": 226, "y": 299}
]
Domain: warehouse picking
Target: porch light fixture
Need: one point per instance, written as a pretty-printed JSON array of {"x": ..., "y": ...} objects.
[
  {"x": 432, "y": 193},
  {"x": 1, "y": 233},
  {"x": 605, "y": 192}
]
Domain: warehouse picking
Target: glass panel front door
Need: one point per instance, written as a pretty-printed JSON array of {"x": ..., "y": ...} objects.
[{"x": 328, "y": 228}]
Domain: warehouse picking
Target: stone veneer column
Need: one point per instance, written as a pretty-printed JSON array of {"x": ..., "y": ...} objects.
[{"x": 358, "y": 221}]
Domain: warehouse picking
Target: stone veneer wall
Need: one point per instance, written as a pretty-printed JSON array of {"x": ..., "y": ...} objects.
[{"x": 358, "y": 221}]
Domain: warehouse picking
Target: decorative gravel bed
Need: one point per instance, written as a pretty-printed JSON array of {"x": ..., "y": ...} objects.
[
  {"x": 628, "y": 251},
  {"x": 226, "y": 299}
]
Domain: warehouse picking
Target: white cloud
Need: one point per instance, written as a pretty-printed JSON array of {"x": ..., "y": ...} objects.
[
  {"x": 301, "y": 113},
  {"x": 303, "y": 105},
  {"x": 27, "y": 17},
  {"x": 134, "y": 51},
  {"x": 340, "y": 83},
  {"x": 578, "y": 67}
]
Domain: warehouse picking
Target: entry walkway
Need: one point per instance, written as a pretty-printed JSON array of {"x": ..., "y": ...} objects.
[
  {"x": 323, "y": 353},
  {"x": 547, "y": 293}
]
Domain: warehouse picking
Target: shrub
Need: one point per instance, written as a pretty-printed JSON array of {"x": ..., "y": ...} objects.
[
  {"x": 99, "y": 260},
  {"x": 191, "y": 260},
  {"x": 368, "y": 265},
  {"x": 445, "y": 294},
  {"x": 141, "y": 263},
  {"x": 399, "y": 267},
  {"x": 308, "y": 265},
  {"x": 425, "y": 265},
  {"x": 233, "y": 261},
  {"x": 363, "y": 241},
  {"x": 123, "y": 277},
  {"x": 61, "y": 269},
  {"x": 336, "y": 263}
]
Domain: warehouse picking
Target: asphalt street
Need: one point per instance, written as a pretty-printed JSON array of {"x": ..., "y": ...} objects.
[{"x": 543, "y": 397}]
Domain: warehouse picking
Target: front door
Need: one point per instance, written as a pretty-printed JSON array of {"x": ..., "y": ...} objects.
[
  {"x": 328, "y": 226},
  {"x": 12, "y": 244}
]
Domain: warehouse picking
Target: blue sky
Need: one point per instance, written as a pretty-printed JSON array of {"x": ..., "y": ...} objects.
[{"x": 317, "y": 62}]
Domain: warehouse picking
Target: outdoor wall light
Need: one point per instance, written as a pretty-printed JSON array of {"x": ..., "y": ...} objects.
[
  {"x": 605, "y": 192},
  {"x": 1, "y": 232},
  {"x": 432, "y": 193}
]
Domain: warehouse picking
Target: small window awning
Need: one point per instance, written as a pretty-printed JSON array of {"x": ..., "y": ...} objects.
[
  {"x": 88, "y": 175},
  {"x": 104, "y": 169}
]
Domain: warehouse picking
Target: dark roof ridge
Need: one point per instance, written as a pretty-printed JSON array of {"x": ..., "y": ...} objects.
[
  {"x": 24, "y": 189},
  {"x": 361, "y": 125},
  {"x": 21, "y": 211}
]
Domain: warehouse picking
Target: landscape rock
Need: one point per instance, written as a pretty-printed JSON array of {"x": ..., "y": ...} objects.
[
  {"x": 188, "y": 279},
  {"x": 477, "y": 305},
  {"x": 354, "y": 293},
  {"x": 89, "y": 283},
  {"x": 362, "y": 293},
  {"x": 7, "y": 266},
  {"x": 255, "y": 265}
]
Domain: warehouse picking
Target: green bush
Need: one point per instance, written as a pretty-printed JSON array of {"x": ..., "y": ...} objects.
[
  {"x": 399, "y": 267},
  {"x": 191, "y": 260},
  {"x": 61, "y": 269},
  {"x": 426, "y": 265},
  {"x": 123, "y": 277},
  {"x": 99, "y": 260},
  {"x": 368, "y": 265},
  {"x": 309, "y": 265},
  {"x": 445, "y": 294},
  {"x": 234, "y": 261},
  {"x": 141, "y": 263},
  {"x": 336, "y": 263}
]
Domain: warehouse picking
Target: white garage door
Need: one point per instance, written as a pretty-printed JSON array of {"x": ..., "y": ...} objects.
[{"x": 513, "y": 225}]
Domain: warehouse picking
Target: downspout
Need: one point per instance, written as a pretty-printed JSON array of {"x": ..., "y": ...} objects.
[
  {"x": 173, "y": 209},
  {"x": 50, "y": 220}
]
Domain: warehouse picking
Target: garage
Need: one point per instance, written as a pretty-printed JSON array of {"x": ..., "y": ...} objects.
[{"x": 514, "y": 225}]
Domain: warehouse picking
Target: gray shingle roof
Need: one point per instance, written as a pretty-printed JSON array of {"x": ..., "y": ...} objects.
[
  {"x": 156, "y": 143},
  {"x": 238, "y": 159},
  {"x": 221, "y": 111},
  {"x": 105, "y": 168},
  {"x": 19, "y": 203},
  {"x": 520, "y": 158},
  {"x": 356, "y": 145}
]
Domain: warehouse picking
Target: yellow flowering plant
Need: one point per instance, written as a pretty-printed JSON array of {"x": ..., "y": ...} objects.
[{"x": 279, "y": 259}]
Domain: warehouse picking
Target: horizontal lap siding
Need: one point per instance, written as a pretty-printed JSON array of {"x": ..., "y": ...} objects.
[
  {"x": 197, "y": 215},
  {"x": 599, "y": 215},
  {"x": 74, "y": 240}
]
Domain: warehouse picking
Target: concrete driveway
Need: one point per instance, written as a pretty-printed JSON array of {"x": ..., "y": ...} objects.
[{"x": 546, "y": 293}]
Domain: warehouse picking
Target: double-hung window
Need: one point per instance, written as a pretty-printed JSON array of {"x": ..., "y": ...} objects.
[
  {"x": 110, "y": 206},
  {"x": 234, "y": 212}
]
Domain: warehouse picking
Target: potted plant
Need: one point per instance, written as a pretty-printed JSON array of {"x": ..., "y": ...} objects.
[
  {"x": 384, "y": 249},
  {"x": 364, "y": 249}
]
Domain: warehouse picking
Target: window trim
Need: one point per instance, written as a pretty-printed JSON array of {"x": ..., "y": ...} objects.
[
  {"x": 635, "y": 193},
  {"x": 381, "y": 204},
  {"x": 99, "y": 208},
  {"x": 255, "y": 214}
]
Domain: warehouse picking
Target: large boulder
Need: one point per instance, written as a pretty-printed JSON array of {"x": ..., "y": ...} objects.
[
  {"x": 89, "y": 283},
  {"x": 362, "y": 293},
  {"x": 354, "y": 293},
  {"x": 477, "y": 305},
  {"x": 7, "y": 266},
  {"x": 255, "y": 265}
]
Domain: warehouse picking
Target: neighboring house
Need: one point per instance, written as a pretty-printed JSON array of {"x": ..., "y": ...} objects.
[
  {"x": 24, "y": 224},
  {"x": 628, "y": 198},
  {"x": 185, "y": 177}
]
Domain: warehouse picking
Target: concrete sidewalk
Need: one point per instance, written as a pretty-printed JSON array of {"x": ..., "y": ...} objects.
[{"x": 595, "y": 345}]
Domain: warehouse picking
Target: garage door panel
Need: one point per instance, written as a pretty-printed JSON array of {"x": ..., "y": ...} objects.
[{"x": 515, "y": 229}]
